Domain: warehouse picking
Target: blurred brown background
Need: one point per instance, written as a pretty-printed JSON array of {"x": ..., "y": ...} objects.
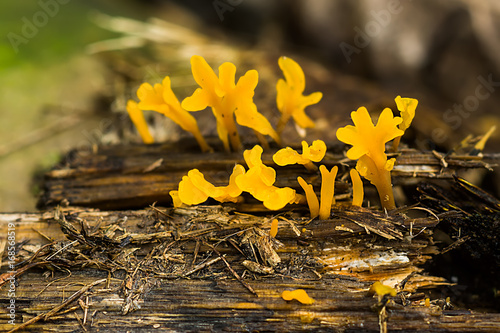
[{"x": 58, "y": 76}]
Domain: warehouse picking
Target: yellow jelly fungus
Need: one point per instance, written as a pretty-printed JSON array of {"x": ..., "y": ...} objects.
[
  {"x": 227, "y": 100},
  {"x": 274, "y": 228},
  {"x": 259, "y": 180},
  {"x": 297, "y": 294},
  {"x": 313, "y": 153},
  {"x": 140, "y": 124},
  {"x": 479, "y": 146},
  {"x": 327, "y": 191},
  {"x": 381, "y": 289},
  {"x": 161, "y": 98},
  {"x": 357, "y": 188},
  {"x": 407, "y": 107},
  {"x": 290, "y": 99},
  {"x": 194, "y": 189},
  {"x": 312, "y": 198},
  {"x": 175, "y": 198},
  {"x": 368, "y": 143}
]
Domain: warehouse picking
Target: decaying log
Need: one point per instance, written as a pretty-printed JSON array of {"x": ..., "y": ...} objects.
[
  {"x": 121, "y": 177},
  {"x": 157, "y": 268}
]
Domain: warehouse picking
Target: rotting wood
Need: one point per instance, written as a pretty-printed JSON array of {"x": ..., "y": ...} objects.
[
  {"x": 153, "y": 290},
  {"x": 114, "y": 177}
]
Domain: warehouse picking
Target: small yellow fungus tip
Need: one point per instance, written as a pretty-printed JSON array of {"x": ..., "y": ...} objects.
[
  {"x": 194, "y": 189},
  {"x": 407, "y": 107},
  {"x": 381, "y": 289},
  {"x": 327, "y": 191},
  {"x": 357, "y": 188},
  {"x": 312, "y": 198},
  {"x": 140, "y": 124},
  {"x": 368, "y": 147},
  {"x": 274, "y": 228},
  {"x": 227, "y": 100},
  {"x": 161, "y": 98},
  {"x": 290, "y": 99},
  {"x": 313, "y": 153},
  {"x": 297, "y": 294},
  {"x": 259, "y": 180},
  {"x": 479, "y": 146}
]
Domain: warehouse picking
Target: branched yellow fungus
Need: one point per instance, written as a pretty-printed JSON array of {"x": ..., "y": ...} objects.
[
  {"x": 407, "y": 107},
  {"x": 290, "y": 99},
  {"x": 357, "y": 188},
  {"x": 368, "y": 147},
  {"x": 327, "y": 191},
  {"x": 259, "y": 180},
  {"x": 312, "y": 198},
  {"x": 297, "y": 294},
  {"x": 479, "y": 146},
  {"x": 313, "y": 153},
  {"x": 381, "y": 289},
  {"x": 195, "y": 189},
  {"x": 161, "y": 98},
  {"x": 140, "y": 124},
  {"x": 227, "y": 100}
]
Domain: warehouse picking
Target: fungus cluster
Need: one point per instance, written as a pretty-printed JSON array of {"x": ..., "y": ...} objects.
[
  {"x": 258, "y": 180},
  {"x": 232, "y": 103}
]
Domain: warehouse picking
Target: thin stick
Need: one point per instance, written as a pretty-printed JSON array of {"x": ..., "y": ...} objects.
[
  {"x": 246, "y": 285},
  {"x": 52, "y": 312},
  {"x": 201, "y": 266}
]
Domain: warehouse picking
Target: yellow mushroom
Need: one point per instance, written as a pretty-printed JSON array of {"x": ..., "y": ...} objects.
[
  {"x": 357, "y": 188},
  {"x": 368, "y": 147},
  {"x": 195, "y": 189},
  {"x": 290, "y": 99},
  {"x": 313, "y": 153},
  {"x": 381, "y": 289},
  {"x": 140, "y": 124},
  {"x": 274, "y": 228},
  {"x": 407, "y": 107},
  {"x": 258, "y": 180},
  {"x": 312, "y": 198},
  {"x": 161, "y": 98},
  {"x": 327, "y": 191},
  {"x": 297, "y": 294},
  {"x": 227, "y": 100}
]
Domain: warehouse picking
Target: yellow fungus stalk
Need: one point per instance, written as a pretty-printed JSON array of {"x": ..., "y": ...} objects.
[
  {"x": 297, "y": 294},
  {"x": 327, "y": 191},
  {"x": 290, "y": 99},
  {"x": 479, "y": 146},
  {"x": 312, "y": 198},
  {"x": 274, "y": 228},
  {"x": 140, "y": 124},
  {"x": 407, "y": 107},
  {"x": 368, "y": 147},
  {"x": 357, "y": 188}
]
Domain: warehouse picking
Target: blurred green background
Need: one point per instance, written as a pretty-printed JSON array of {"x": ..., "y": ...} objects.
[{"x": 46, "y": 89}]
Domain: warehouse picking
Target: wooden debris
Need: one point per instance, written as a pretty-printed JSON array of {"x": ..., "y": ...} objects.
[{"x": 114, "y": 177}]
